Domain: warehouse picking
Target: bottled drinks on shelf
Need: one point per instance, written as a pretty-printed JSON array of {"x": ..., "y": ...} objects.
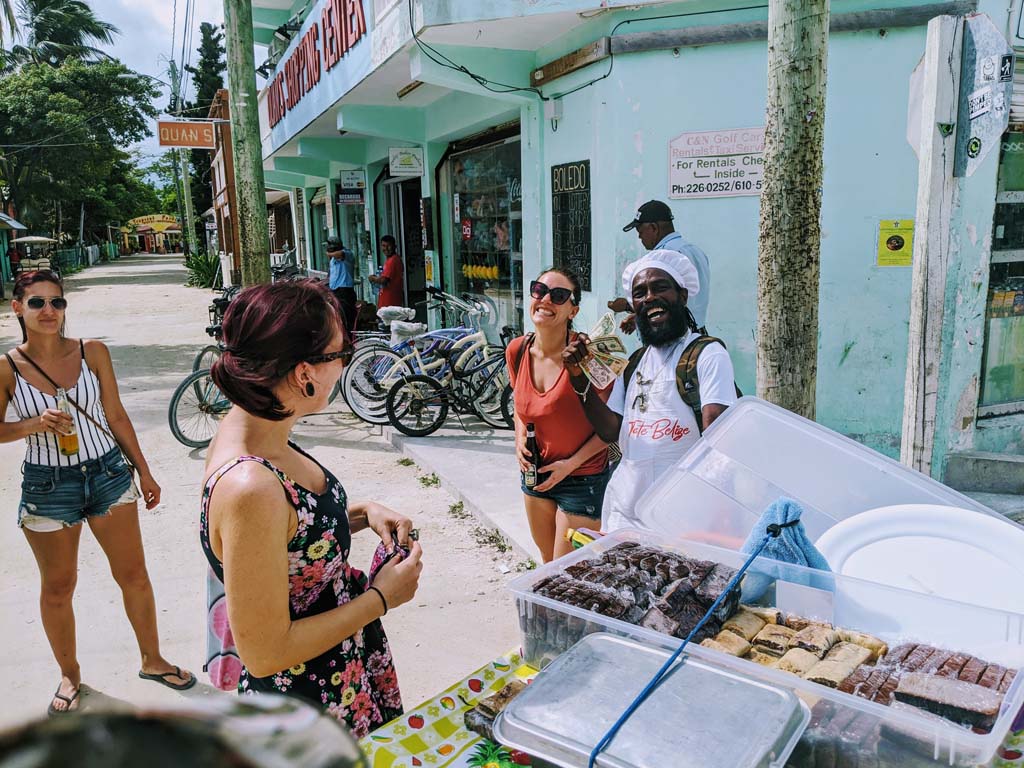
[
  {"x": 530, "y": 476},
  {"x": 68, "y": 444}
]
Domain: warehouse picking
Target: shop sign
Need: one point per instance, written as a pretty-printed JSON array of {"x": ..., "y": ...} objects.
[
  {"x": 342, "y": 24},
  {"x": 352, "y": 188},
  {"x": 405, "y": 161},
  {"x": 986, "y": 86},
  {"x": 570, "y": 219},
  {"x": 895, "y": 243},
  {"x": 726, "y": 163},
  {"x": 467, "y": 229},
  {"x": 158, "y": 221},
  {"x": 186, "y": 134},
  {"x": 456, "y": 213},
  {"x": 427, "y": 223}
]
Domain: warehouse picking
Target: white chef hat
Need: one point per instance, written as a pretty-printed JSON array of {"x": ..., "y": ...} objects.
[{"x": 676, "y": 264}]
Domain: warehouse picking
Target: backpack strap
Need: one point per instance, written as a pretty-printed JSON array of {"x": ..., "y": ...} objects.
[
  {"x": 687, "y": 381},
  {"x": 632, "y": 365}
]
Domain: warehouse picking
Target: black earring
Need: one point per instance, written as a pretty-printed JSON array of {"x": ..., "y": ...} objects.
[{"x": 310, "y": 389}]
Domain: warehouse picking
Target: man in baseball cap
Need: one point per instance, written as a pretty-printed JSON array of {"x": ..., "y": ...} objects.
[
  {"x": 673, "y": 388},
  {"x": 653, "y": 225}
]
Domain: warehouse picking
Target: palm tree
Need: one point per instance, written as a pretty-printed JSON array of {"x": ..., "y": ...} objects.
[
  {"x": 55, "y": 30},
  {"x": 7, "y": 17}
]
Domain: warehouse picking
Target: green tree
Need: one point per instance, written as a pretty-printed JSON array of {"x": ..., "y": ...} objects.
[
  {"x": 208, "y": 77},
  {"x": 60, "y": 129},
  {"x": 56, "y": 30}
]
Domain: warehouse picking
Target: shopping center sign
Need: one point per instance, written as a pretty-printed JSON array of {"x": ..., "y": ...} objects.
[{"x": 331, "y": 31}]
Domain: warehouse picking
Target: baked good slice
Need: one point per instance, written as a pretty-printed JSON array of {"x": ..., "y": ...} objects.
[
  {"x": 848, "y": 653},
  {"x": 956, "y": 700},
  {"x": 774, "y": 638},
  {"x": 797, "y": 661},
  {"x": 729, "y": 643},
  {"x": 877, "y": 647},
  {"x": 744, "y": 623},
  {"x": 816, "y": 638}
]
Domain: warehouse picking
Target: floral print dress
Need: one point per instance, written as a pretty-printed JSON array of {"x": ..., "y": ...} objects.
[{"x": 355, "y": 681}]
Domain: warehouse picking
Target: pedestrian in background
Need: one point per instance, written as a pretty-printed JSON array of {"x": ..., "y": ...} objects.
[
  {"x": 573, "y": 462},
  {"x": 93, "y": 484},
  {"x": 342, "y": 280},
  {"x": 654, "y": 226},
  {"x": 392, "y": 279},
  {"x": 304, "y": 621}
]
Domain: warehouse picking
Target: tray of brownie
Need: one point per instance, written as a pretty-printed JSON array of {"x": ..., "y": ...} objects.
[{"x": 891, "y": 677}]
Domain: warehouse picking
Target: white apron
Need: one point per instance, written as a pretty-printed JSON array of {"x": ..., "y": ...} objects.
[{"x": 652, "y": 441}]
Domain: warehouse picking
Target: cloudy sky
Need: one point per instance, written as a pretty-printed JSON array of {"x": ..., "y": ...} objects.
[{"x": 146, "y": 29}]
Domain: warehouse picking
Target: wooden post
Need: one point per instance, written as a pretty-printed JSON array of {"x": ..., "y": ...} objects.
[
  {"x": 247, "y": 151},
  {"x": 935, "y": 186},
  {"x": 790, "y": 236}
]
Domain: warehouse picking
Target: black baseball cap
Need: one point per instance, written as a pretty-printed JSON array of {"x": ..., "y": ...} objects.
[
  {"x": 334, "y": 241},
  {"x": 652, "y": 210}
]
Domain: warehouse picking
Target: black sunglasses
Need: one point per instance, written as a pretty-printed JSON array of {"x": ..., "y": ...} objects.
[
  {"x": 345, "y": 355},
  {"x": 539, "y": 290},
  {"x": 38, "y": 302}
]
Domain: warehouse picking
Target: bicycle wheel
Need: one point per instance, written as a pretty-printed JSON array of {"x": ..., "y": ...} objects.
[
  {"x": 204, "y": 360},
  {"x": 492, "y": 409},
  {"x": 365, "y": 388},
  {"x": 417, "y": 406},
  {"x": 508, "y": 406},
  {"x": 193, "y": 417}
]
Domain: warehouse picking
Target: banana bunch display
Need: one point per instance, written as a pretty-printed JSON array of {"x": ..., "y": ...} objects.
[{"x": 479, "y": 272}]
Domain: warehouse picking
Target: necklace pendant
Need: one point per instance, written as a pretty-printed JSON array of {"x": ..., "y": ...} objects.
[{"x": 642, "y": 404}]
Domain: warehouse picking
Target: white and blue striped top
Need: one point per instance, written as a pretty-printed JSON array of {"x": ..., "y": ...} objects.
[{"x": 30, "y": 402}]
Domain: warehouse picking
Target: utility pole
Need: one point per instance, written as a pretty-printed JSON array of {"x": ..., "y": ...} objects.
[
  {"x": 790, "y": 239},
  {"x": 185, "y": 198},
  {"x": 250, "y": 194}
]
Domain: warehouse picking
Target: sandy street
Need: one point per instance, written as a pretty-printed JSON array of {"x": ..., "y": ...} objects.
[{"x": 153, "y": 324}]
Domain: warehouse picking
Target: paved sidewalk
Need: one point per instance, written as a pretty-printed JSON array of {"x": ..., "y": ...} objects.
[{"x": 461, "y": 618}]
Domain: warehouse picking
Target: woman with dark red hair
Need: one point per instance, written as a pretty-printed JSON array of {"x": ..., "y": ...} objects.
[
  {"x": 276, "y": 526},
  {"x": 66, "y": 483}
]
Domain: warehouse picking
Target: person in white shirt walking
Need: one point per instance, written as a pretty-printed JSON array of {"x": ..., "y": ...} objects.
[
  {"x": 654, "y": 227},
  {"x": 647, "y": 411}
]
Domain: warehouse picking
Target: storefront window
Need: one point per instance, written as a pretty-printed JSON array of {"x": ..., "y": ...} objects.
[
  {"x": 1002, "y": 372},
  {"x": 352, "y": 229},
  {"x": 318, "y": 233},
  {"x": 486, "y": 190}
]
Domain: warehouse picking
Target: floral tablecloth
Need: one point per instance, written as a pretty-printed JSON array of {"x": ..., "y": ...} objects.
[{"x": 434, "y": 734}]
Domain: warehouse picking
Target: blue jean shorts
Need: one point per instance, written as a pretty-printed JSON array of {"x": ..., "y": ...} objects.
[
  {"x": 59, "y": 497},
  {"x": 580, "y": 495}
]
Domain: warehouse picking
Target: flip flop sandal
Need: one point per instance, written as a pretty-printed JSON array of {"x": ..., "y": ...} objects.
[
  {"x": 54, "y": 712},
  {"x": 162, "y": 679}
]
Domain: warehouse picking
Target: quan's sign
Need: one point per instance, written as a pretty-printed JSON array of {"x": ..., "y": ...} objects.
[
  {"x": 342, "y": 24},
  {"x": 181, "y": 133}
]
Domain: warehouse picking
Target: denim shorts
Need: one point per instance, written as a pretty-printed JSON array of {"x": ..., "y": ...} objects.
[
  {"x": 580, "y": 495},
  {"x": 58, "y": 497}
]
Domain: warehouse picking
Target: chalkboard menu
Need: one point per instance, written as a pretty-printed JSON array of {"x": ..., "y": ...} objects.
[{"x": 570, "y": 214}]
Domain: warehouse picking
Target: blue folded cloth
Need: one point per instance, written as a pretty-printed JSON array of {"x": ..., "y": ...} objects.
[{"x": 790, "y": 546}]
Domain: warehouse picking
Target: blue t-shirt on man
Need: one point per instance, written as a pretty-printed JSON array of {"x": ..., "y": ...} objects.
[
  {"x": 341, "y": 271},
  {"x": 698, "y": 304}
]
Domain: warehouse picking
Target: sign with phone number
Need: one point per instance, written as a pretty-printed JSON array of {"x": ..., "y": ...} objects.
[{"x": 716, "y": 163}]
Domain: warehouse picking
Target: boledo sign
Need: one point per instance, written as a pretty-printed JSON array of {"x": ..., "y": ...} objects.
[
  {"x": 342, "y": 24},
  {"x": 186, "y": 134}
]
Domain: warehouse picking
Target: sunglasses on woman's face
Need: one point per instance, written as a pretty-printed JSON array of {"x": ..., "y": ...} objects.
[
  {"x": 38, "y": 302},
  {"x": 557, "y": 295},
  {"x": 345, "y": 355}
]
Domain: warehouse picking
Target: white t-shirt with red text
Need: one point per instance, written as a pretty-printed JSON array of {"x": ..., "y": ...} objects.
[{"x": 657, "y": 426}]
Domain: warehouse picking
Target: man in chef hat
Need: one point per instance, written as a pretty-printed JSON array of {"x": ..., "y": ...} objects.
[{"x": 653, "y": 419}]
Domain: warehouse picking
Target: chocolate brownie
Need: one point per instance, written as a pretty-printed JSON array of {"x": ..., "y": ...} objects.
[
  {"x": 860, "y": 675},
  {"x": 971, "y": 673},
  {"x": 899, "y": 653},
  {"x": 952, "y": 667},
  {"x": 992, "y": 677},
  {"x": 887, "y": 688},
  {"x": 916, "y": 659},
  {"x": 1007, "y": 680},
  {"x": 956, "y": 700}
]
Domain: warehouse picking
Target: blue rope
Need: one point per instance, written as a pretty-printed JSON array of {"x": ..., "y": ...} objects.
[{"x": 660, "y": 674}]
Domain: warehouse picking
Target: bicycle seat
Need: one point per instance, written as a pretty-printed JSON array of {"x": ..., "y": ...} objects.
[{"x": 401, "y": 331}]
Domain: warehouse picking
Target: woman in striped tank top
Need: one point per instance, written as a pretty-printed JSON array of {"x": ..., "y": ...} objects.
[{"x": 61, "y": 489}]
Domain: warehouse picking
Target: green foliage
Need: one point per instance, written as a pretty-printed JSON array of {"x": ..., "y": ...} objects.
[
  {"x": 57, "y": 30},
  {"x": 202, "y": 270},
  {"x": 458, "y": 511},
  {"x": 405, "y": 461},
  {"x": 69, "y": 121},
  {"x": 430, "y": 481},
  {"x": 208, "y": 77}
]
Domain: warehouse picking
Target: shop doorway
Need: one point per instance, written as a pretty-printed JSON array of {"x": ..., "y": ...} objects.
[{"x": 400, "y": 217}]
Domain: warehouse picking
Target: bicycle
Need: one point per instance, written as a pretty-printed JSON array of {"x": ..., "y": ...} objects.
[
  {"x": 208, "y": 354},
  {"x": 418, "y": 405},
  {"x": 196, "y": 408}
]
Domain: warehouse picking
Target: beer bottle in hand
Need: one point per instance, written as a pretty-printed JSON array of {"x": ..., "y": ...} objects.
[
  {"x": 530, "y": 476},
  {"x": 68, "y": 443}
]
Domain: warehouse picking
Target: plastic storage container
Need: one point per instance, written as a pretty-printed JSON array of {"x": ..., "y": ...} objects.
[
  {"x": 594, "y": 681},
  {"x": 755, "y": 453},
  {"x": 858, "y": 731}
]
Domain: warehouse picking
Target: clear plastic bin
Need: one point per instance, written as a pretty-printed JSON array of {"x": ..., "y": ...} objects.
[
  {"x": 757, "y": 452},
  {"x": 856, "y": 731}
]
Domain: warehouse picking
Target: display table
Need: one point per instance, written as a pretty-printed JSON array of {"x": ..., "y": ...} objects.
[{"x": 433, "y": 734}]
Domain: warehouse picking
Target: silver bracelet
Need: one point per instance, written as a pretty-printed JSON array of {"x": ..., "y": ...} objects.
[{"x": 586, "y": 390}]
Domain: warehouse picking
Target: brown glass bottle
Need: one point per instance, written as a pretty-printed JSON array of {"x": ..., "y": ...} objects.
[{"x": 530, "y": 476}]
